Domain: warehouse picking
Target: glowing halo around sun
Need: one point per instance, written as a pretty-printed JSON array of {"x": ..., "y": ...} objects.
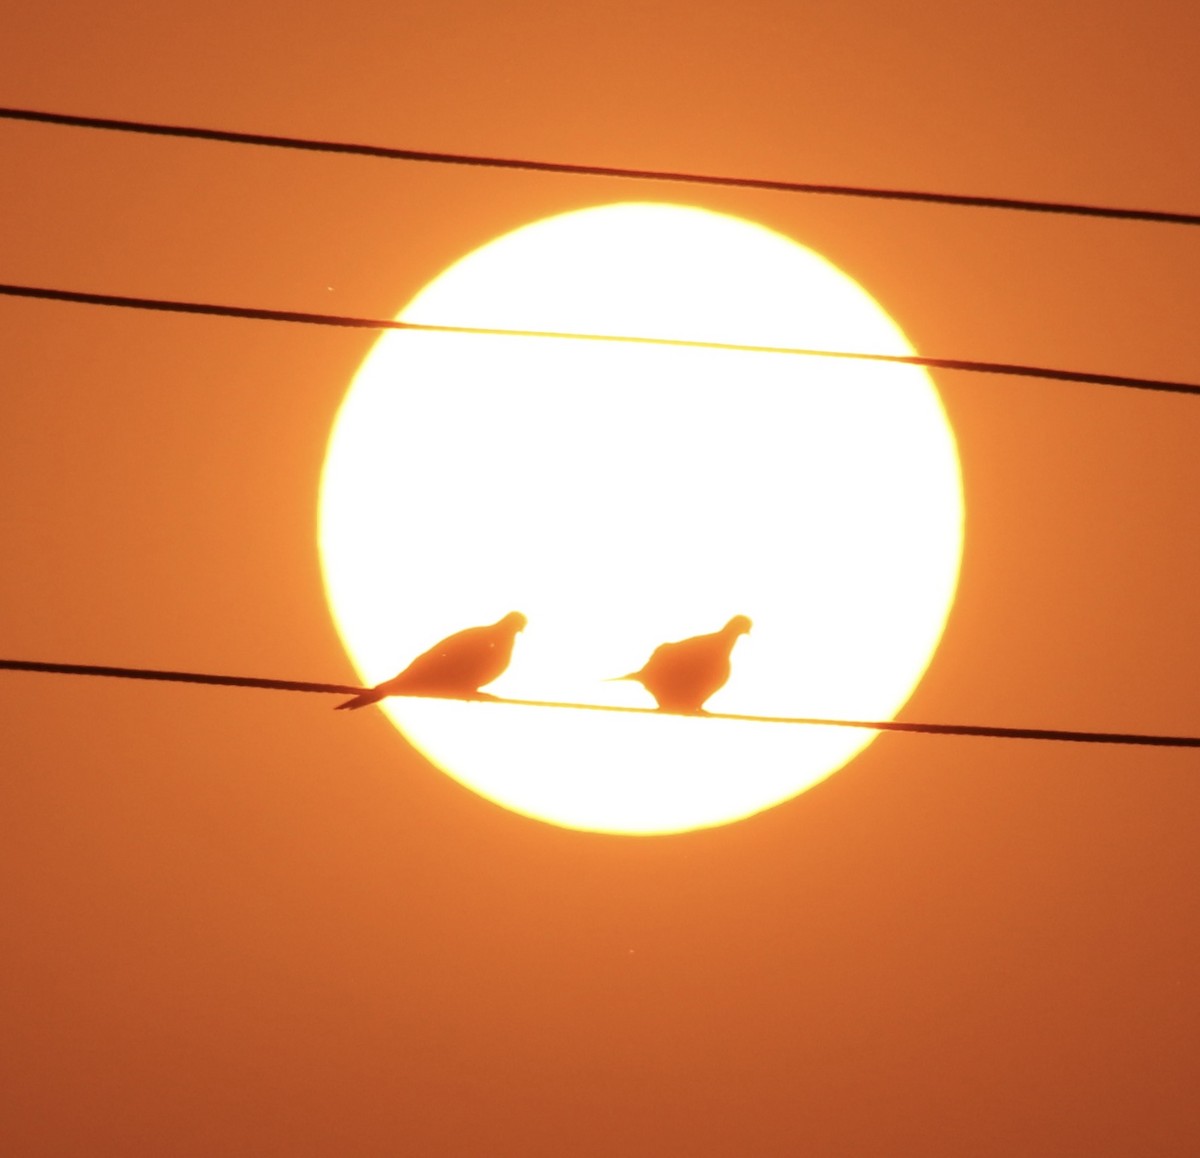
[{"x": 623, "y": 495}]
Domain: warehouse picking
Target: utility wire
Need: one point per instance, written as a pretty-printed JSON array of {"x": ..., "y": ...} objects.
[
  {"x": 272, "y": 141},
  {"x": 120, "y": 301},
  {"x": 178, "y": 677},
  {"x": 1060, "y": 734}
]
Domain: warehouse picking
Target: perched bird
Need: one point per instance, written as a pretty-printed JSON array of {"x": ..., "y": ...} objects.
[
  {"x": 681, "y": 676},
  {"x": 455, "y": 668}
]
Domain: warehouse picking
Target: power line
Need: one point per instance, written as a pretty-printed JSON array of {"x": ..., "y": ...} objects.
[
  {"x": 178, "y": 677},
  {"x": 272, "y": 141},
  {"x": 121, "y": 301},
  {"x": 983, "y": 730}
]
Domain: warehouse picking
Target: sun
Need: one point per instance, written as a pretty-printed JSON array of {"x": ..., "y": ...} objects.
[{"x": 623, "y": 495}]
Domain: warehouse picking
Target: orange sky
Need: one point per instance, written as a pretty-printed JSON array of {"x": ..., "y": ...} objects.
[{"x": 236, "y": 922}]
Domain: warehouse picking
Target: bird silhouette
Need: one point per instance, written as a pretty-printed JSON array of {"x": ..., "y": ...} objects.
[
  {"x": 455, "y": 668},
  {"x": 681, "y": 676}
]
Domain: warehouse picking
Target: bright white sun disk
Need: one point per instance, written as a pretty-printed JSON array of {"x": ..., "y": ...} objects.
[{"x": 623, "y": 495}]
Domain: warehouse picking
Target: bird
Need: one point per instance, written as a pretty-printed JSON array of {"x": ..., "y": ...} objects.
[
  {"x": 456, "y": 668},
  {"x": 681, "y": 676}
]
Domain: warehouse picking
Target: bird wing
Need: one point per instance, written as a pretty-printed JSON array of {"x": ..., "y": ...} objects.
[
  {"x": 682, "y": 675},
  {"x": 454, "y": 662},
  {"x": 457, "y": 666},
  {"x": 448, "y": 666},
  {"x": 673, "y": 659}
]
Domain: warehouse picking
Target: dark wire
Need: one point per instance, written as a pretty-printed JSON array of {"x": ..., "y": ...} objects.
[
  {"x": 272, "y": 141},
  {"x": 1061, "y": 734},
  {"x": 79, "y": 297},
  {"x": 178, "y": 677}
]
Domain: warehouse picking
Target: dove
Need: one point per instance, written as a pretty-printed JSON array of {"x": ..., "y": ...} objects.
[
  {"x": 681, "y": 676},
  {"x": 456, "y": 668}
]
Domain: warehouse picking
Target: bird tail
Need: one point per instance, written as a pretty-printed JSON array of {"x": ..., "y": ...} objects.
[{"x": 359, "y": 701}]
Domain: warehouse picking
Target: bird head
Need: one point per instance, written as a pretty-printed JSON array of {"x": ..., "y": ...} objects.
[
  {"x": 514, "y": 621},
  {"x": 738, "y": 625}
]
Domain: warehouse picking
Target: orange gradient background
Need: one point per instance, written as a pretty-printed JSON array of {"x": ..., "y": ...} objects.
[{"x": 239, "y": 922}]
